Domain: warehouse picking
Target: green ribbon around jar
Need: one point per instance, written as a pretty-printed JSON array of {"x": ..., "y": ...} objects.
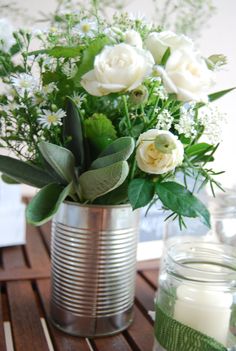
[{"x": 175, "y": 336}]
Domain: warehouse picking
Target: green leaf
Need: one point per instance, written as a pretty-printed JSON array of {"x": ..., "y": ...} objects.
[
  {"x": 100, "y": 181},
  {"x": 178, "y": 199},
  {"x": 165, "y": 57},
  {"x": 60, "y": 159},
  {"x": 120, "y": 150},
  {"x": 140, "y": 192},
  {"x": 117, "y": 196},
  {"x": 72, "y": 129},
  {"x": 23, "y": 172},
  {"x": 197, "y": 149},
  {"x": 59, "y": 51},
  {"x": 88, "y": 57},
  {"x": 8, "y": 180},
  {"x": 219, "y": 94},
  {"x": 46, "y": 203}
]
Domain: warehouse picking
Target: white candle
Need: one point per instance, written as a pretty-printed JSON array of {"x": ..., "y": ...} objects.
[{"x": 204, "y": 309}]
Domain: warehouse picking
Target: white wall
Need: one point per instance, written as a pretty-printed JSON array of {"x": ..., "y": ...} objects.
[{"x": 218, "y": 38}]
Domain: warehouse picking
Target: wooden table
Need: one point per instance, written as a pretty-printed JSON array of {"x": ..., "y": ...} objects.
[{"x": 24, "y": 302}]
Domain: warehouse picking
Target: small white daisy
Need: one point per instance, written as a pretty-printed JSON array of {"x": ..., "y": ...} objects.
[
  {"x": 50, "y": 118},
  {"x": 78, "y": 99},
  {"x": 24, "y": 83},
  {"x": 86, "y": 28},
  {"x": 49, "y": 88}
]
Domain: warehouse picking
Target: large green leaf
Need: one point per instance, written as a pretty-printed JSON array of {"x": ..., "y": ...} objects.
[
  {"x": 178, "y": 199},
  {"x": 197, "y": 149},
  {"x": 59, "y": 51},
  {"x": 60, "y": 159},
  {"x": 219, "y": 94},
  {"x": 140, "y": 192},
  {"x": 88, "y": 57},
  {"x": 23, "y": 172},
  {"x": 120, "y": 150},
  {"x": 100, "y": 181},
  {"x": 117, "y": 196},
  {"x": 46, "y": 203},
  {"x": 73, "y": 130}
]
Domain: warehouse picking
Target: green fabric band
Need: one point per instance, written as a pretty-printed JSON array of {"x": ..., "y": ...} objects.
[{"x": 175, "y": 336}]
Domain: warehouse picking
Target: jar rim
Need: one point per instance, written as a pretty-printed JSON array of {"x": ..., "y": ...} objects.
[{"x": 192, "y": 260}]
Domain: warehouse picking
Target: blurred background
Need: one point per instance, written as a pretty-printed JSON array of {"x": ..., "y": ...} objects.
[{"x": 211, "y": 23}]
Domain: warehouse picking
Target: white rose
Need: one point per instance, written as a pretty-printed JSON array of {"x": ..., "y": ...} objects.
[
  {"x": 158, "y": 152},
  {"x": 187, "y": 75},
  {"x": 118, "y": 68},
  {"x": 158, "y": 43},
  {"x": 133, "y": 38},
  {"x": 6, "y": 35}
]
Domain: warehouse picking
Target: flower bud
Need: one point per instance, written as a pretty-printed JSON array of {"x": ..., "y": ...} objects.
[
  {"x": 165, "y": 143},
  {"x": 139, "y": 95},
  {"x": 216, "y": 61}
]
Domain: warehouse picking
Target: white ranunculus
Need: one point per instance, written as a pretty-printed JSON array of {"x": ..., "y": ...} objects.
[
  {"x": 133, "y": 38},
  {"x": 118, "y": 68},
  {"x": 187, "y": 75},
  {"x": 6, "y": 35},
  {"x": 158, "y": 43},
  {"x": 158, "y": 152}
]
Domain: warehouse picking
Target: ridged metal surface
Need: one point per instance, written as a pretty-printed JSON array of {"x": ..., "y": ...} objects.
[{"x": 93, "y": 268}]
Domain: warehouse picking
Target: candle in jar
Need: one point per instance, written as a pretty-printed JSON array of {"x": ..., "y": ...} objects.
[{"x": 205, "y": 309}]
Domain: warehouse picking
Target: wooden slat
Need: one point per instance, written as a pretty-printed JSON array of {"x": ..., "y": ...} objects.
[
  {"x": 23, "y": 274},
  {"x": 61, "y": 341},
  {"x": 2, "y": 336},
  {"x": 151, "y": 275},
  {"x": 144, "y": 294},
  {"x": 140, "y": 333},
  {"x": 114, "y": 343},
  {"x": 45, "y": 231},
  {"x": 27, "y": 330}
]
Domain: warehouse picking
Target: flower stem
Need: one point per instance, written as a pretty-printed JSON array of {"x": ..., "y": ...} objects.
[{"x": 127, "y": 114}]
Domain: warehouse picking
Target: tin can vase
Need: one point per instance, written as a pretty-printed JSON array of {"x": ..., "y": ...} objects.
[{"x": 93, "y": 268}]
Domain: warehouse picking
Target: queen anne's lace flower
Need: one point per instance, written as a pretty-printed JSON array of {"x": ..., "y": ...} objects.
[
  {"x": 50, "y": 118},
  {"x": 186, "y": 123},
  {"x": 212, "y": 120},
  {"x": 164, "y": 119}
]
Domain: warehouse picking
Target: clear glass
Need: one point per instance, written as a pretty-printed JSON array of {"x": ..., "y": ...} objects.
[{"x": 197, "y": 287}]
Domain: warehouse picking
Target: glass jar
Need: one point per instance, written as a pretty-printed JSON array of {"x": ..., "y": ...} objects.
[{"x": 196, "y": 300}]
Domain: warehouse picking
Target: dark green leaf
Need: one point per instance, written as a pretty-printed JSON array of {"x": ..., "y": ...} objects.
[
  {"x": 8, "y": 180},
  {"x": 60, "y": 159},
  {"x": 178, "y": 199},
  {"x": 100, "y": 181},
  {"x": 140, "y": 192},
  {"x": 119, "y": 150},
  {"x": 117, "y": 196},
  {"x": 197, "y": 149},
  {"x": 46, "y": 203},
  {"x": 72, "y": 129},
  {"x": 59, "y": 51},
  {"x": 165, "y": 57},
  {"x": 23, "y": 172},
  {"x": 219, "y": 94},
  {"x": 88, "y": 57}
]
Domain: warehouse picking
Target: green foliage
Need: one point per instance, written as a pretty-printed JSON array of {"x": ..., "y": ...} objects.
[
  {"x": 23, "y": 172},
  {"x": 196, "y": 149},
  {"x": 165, "y": 57},
  {"x": 88, "y": 57},
  {"x": 100, "y": 131},
  {"x": 140, "y": 192},
  {"x": 46, "y": 203},
  {"x": 73, "y": 134},
  {"x": 98, "y": 182},
  {"x": 120, "y": 150},
  {"x": 219, "y": 94},
  {"x": 181, "y": 201},
  {"x": 60, "y": 159},
  {"x": 59, "y": 51}
]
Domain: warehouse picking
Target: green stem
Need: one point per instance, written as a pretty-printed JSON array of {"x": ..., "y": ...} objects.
[{"x": 127, "y": 114}]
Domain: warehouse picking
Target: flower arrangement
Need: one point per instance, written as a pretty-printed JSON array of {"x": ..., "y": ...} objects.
[{"x": 108, "y": 113}]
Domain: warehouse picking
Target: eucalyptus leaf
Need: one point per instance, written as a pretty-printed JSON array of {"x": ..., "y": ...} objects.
[
  {"x": 178, "y": 199},
  {"x": 140, "y": 192},
  {"x": 46, "y": 203},
  {"x": 23, "y": 172},
  {"x": 72, "y": 129},
  {"x": 59, "y": 51},
  {"x": 100, "y": 181},
  {"x": 120, "y": 150},
  {"x": 88, "y": 57},
  {"x": 60, "y": 159}
]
